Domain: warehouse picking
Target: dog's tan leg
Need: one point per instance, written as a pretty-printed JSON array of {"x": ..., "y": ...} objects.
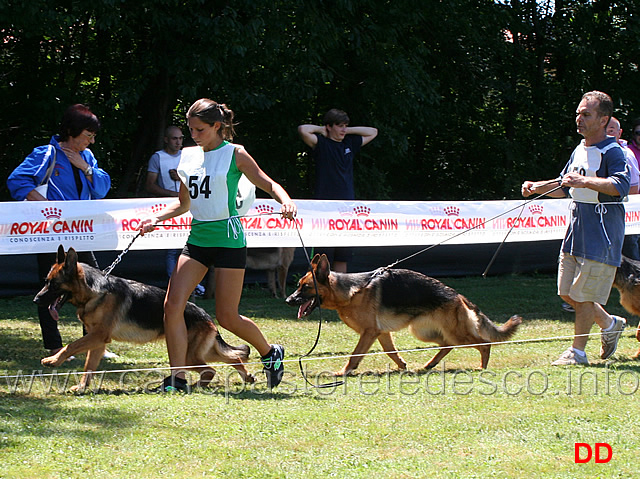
[
  {"x": 91, "y": 364},
  {"x": 437, "y": 358},
  {"x": 244, "y": 374},
  {"x": 57, "y": 359},
  {"x": 367, "y": 338},
  {"x": 637, "y": 355},
  {"x": 85, "y": 343},
  {"x": 271, "y": 280},
  {"x": 206, "y": 375},
  {"x": 389, "y": 347},
  {"x": 485, "y": 352},
  {"x": 282, "y": 280}
]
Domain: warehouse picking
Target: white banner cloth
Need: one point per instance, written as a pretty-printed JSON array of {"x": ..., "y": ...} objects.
[{"x": 105, "y": 225}]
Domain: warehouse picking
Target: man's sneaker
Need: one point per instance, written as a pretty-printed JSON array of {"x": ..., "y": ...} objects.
[
  {"x": 609, "y": 339},
  {"x": 273, "y": 366},
  {"x": 173, "y": 384},
  {"x": 109, "y": 354},
  {"x": 570, "y": 358},
  {"x": 568, "y": 308}
]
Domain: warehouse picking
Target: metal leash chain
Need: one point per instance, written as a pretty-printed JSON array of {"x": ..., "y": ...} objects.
[{"x": 108, "y": 270}]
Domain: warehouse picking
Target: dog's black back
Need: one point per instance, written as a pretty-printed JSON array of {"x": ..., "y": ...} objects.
[
  {"x": 402, "y": 289},
  {"x": 143, "y": 303}
]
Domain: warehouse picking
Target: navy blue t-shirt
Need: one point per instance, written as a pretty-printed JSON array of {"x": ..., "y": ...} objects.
[{"x": 334, "y": 167}]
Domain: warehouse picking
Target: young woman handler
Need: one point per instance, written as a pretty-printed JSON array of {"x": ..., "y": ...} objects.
[{"x": 209, "y": 175}]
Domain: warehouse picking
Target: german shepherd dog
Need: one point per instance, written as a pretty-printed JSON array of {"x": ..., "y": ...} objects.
[
  {"x": 126, "y": 310},
  {"x": 627, "y": 282},
  {"x": 376, "y": 303}
]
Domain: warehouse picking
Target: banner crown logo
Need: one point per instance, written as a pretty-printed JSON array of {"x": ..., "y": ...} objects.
[
  {"x": 52, "y": 213},
  {"x": 452, "y": 211},
  {"x": 264, "y": 209},
  {"x": 362, "y": 210},
  {"x": 536, "y": 209}
]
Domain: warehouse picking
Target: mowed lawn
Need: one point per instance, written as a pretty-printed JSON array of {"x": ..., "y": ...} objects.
[{"x": 519, "y": 418}]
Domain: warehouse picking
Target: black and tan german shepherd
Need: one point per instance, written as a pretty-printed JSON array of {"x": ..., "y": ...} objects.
[
  {"x": 376, "y": 303},
  {"x": 126, "y": 310},
  {"x": 627, "y": 282}
]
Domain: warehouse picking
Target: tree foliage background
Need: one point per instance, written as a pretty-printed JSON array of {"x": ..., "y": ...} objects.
[{"x": 470, "y": 97}]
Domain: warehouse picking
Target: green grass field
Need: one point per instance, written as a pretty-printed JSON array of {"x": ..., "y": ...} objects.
[{"x": 519, "y": 418}]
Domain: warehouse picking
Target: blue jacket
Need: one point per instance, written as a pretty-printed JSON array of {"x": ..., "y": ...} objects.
[{"x": 62, "y": 184}]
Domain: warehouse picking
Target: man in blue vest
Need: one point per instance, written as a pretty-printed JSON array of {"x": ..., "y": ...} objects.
[{"x": 597, "y": 179}]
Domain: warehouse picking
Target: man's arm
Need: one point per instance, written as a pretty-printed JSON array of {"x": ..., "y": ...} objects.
[
  {"x": 366, "y": 132},
  {"x": 542, "y": 188},
  {"x": 152, "y": 187},
  {"x": 308, "y": 134},
  {"x": 601, "y": 185}
]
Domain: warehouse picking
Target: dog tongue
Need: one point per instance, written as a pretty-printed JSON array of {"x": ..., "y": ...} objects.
[
  {"x": 53, "y": 311},
  {"x": 302, "y": 311}
]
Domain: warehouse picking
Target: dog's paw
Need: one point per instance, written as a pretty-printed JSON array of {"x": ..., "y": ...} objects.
[
  {"x": 51, "y": 361},
  {"x": 79, "y": 388},
  {"x": 345, "y": 372}
]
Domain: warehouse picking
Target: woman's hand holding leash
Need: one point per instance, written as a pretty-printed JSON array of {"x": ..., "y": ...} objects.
[
  {"x": 148, "y": 225},
  {"x": 289, "y": 210}
]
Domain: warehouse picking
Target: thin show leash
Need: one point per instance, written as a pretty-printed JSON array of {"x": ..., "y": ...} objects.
[
  {"x": 108, "y": 270},
  {"x": 424, "y": 250},
  {"x": 317, "y": 299}
]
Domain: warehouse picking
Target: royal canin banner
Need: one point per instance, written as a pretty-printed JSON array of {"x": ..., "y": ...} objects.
[{"x": 106, "y": 225}]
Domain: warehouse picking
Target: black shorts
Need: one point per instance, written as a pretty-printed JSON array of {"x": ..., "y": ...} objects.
[{"x": 235, "y": 258}]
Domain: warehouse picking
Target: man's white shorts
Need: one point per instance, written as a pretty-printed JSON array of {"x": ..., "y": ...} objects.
[{"x": 584, "y": 280}]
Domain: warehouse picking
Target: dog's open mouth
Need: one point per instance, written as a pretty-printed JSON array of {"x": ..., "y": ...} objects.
[
  {"x": 56, "y": 305},
  {"x": 307, "y": 307}
]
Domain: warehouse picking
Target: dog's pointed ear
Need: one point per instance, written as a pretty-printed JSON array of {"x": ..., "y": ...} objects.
[
  {"x": 323, "y": 268},
  {"x": 71, "y": 261},
  {"x": 61, "y": 255},
  {"x": 314, "y": 261}
]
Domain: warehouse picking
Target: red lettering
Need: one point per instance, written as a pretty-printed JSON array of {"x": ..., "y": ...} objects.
[
  {"x": 578, "y": 446},
  {"x": 599, "y": 446},
  {"x": 599, "y": 457}
]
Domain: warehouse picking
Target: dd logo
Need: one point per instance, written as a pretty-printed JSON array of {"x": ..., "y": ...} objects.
[{"x": 589, "y": 452}]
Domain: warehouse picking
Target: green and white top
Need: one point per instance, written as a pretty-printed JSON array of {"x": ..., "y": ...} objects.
[{"x": 212, "y": 180}]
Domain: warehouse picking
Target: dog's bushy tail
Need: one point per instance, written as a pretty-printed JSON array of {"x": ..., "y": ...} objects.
[
  {"x": 489, "y": 330},
  {"x": 231, "y": 353}
]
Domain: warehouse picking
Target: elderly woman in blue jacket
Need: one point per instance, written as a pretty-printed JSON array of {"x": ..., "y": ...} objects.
[{"x": 75, "y": 176}]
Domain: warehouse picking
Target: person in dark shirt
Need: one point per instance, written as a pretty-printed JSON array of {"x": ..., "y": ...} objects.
[{"x": 334, "y": 146}]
